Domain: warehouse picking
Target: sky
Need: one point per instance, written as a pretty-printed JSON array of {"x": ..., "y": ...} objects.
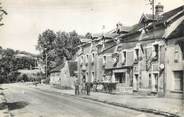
[{"x": 26, "y": 19}]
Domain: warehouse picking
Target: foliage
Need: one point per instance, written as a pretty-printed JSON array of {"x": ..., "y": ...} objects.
[
  {"x": 10, "y": 64},
  {"x": 88, "y": 35},
  {"x": 25, "y": 77},
  {"x": 55, "y": 47},
  {"x": 2, "y": 12}
]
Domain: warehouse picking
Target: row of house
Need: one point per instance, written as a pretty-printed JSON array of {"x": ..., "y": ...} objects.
[{"x": 147, "y": 57}]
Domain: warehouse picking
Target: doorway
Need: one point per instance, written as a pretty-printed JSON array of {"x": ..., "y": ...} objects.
[{"x": 120, "y": 77}]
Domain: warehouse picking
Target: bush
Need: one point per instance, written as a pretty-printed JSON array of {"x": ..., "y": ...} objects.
[{"x": 25, "y": 77}]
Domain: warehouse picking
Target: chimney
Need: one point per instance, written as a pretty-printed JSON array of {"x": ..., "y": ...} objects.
[{"x": 159, "y": 9}]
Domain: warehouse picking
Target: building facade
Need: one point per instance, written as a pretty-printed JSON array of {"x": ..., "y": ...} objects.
[{"x": 145, "y": 58}]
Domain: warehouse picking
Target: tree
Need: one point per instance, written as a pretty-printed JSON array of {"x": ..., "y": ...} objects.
[
  {"x": 9, "y": 65},
  {"x": 2, "y": 13},
  {"x": 56, "y": 46},
  {"x": 88, "y": 35},
  {"x": 46, "y": 45}
]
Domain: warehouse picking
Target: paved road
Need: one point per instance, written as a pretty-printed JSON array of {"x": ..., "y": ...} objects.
[{"x": 25, "y": 101}]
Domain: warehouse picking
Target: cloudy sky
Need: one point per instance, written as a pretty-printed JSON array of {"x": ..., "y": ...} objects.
[{"x": 27, "y": 18}]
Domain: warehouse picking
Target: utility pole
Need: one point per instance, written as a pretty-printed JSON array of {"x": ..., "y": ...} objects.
[{"x": 46, "y": 66}]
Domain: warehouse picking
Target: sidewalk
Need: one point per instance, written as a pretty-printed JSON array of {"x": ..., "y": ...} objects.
[{"x": 164, "y": 106}]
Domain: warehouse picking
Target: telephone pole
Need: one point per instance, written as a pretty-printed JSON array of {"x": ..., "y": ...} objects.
[{"x": 46, "y": 65}]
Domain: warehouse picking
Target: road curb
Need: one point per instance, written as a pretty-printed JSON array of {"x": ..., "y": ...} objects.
[{"x": 154, "y": 111}]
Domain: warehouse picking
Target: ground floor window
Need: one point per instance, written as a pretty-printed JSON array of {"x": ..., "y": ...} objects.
[
  {"x": 156, "y": 81},
  {"x": 178, "y": 80}
]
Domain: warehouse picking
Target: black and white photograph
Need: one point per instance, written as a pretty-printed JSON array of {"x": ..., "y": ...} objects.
[{"x": 91, "y": 58}]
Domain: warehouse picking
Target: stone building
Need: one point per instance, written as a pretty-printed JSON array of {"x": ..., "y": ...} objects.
[{"x": 146, "y": 57}]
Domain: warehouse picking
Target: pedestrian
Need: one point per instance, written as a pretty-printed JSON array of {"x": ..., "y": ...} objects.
[
  {"x": 88, "y": 86},
  {"x": 77, "y": 87},
  {"x": 83, "y": 86}
]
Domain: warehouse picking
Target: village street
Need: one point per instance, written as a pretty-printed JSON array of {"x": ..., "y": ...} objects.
[{"x": 29, "y": 101}]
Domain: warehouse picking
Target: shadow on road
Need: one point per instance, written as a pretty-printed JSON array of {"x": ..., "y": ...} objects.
[
  {"x": 1, "y": 89},
  {"x": 17, "y": 105},
  {"x": 3, "y": 106}
]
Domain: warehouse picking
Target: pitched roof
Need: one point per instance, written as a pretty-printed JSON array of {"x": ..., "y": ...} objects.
[
  {"x": 170, "y": 15},
  {"x": 57, "y": 68}
]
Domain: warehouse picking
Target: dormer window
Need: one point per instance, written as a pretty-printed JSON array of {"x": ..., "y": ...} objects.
[
  {"x": 104, "y": 60},
  {"x": 155, "y": 52}
]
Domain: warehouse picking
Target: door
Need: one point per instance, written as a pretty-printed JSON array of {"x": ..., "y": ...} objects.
[
  {"x": 155, "y": 82},
  {"x": 135, "y": 82}
]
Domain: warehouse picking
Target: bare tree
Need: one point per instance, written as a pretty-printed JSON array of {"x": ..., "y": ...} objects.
[{"x": 2, "y": 13}]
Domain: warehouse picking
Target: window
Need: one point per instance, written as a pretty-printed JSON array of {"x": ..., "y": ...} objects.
[
  {"x": 176, "y": 55},
  {"x": 136, "y": 55},
  {"x": 93, "y": 56},
  {"x": 124, "y": 57},
  {"x": 155, "y": 52},
  {"x": 149, "y": 81},
  {"x": 178, "y": 80},
  {"x": 140, "y": 82},
  {"x": 104, "y": 60},
  {"x": 156, "y": 81},
  {"x": 86, "y": 60},
  {"x": 86, "y": 77},
  {"x": 81, "y": 60},
  {"x": 92, "y": 77}
]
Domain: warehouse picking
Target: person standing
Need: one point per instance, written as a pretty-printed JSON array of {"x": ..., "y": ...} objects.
[
  {"x": 77, "y": 87},
  {"x": 88, "y": 88}
]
